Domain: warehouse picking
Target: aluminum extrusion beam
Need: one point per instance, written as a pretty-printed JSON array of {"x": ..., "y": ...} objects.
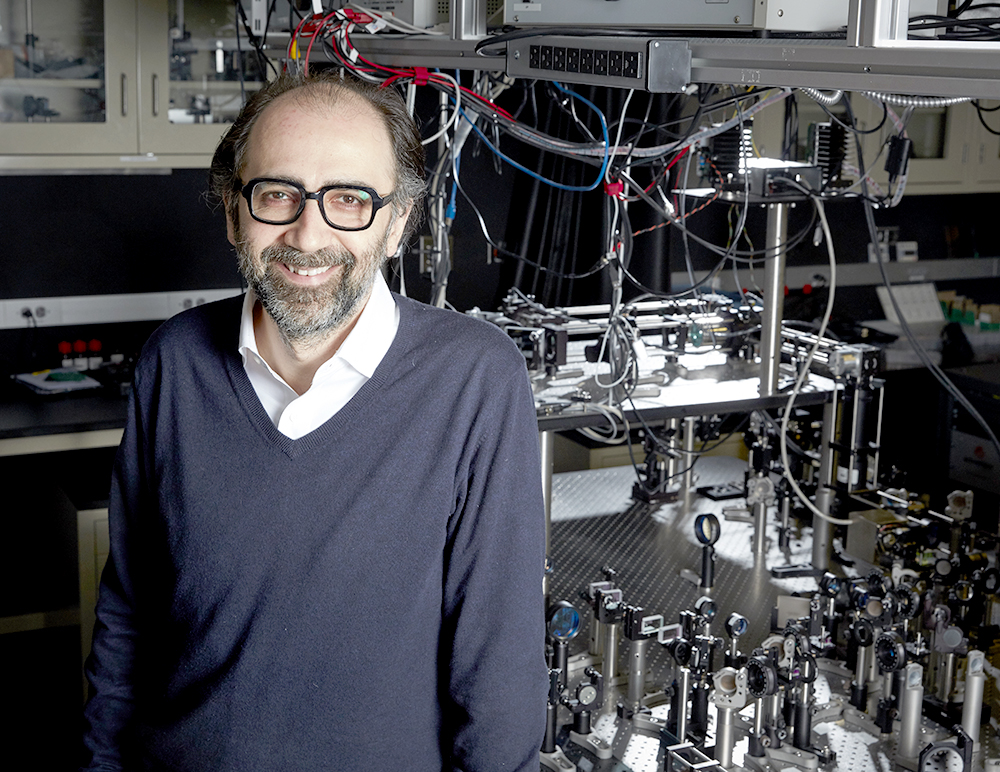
[
  {"x": 925, "y": 68},
  {"x": 468, "y": 20},
  {"x": 932, "y": 68}
]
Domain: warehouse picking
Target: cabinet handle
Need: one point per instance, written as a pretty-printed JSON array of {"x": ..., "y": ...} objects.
[
  {"x": 124, "y": 95},
  {"x": 156, "y": 95}
]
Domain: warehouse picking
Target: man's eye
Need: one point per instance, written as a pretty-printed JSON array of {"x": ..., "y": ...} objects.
[
  {"x": 351, "y": 199},
  {"x": 277, "y": 196}
]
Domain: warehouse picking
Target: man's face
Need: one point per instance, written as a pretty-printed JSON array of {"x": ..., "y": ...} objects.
[{"x": 313, "y": 279}]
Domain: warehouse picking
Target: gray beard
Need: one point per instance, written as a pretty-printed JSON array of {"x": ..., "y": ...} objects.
[{"x": 305, "y": 315}]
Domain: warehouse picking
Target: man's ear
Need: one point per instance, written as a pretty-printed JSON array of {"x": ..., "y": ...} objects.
[
  {"x": 396, "y": 232},
  {"x": 230, "y": 225}
]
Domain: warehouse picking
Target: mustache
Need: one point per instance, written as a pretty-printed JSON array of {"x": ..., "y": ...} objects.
[{"x": 276, "y": 253}]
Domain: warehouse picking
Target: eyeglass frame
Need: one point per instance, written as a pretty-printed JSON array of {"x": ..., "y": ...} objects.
[{"x": 377, "y": 201}]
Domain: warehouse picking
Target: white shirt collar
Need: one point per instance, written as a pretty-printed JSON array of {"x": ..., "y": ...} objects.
[{"x": 363, "y": 348}]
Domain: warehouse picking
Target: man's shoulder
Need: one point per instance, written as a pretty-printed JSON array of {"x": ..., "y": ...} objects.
[
  {"x": 442, "y": 324},
  {"x": 212, "y": 327},
  {"x": 456, "y": 342}
]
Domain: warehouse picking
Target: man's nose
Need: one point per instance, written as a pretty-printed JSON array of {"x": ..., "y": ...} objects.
[{"x": 310, "y": 232}]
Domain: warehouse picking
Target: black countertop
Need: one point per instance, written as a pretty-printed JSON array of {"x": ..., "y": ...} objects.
[{"x": 26, "y": 414}]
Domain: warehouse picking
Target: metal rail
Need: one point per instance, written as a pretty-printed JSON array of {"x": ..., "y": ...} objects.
[{"x": 879, "y": 59}]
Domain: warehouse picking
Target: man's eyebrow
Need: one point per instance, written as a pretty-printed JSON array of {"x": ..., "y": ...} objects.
[{"x": 328, "y": 184}]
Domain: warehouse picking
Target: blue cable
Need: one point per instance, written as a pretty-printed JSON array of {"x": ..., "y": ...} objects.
[
  {"x": 452, "y": 207},
  {"x": 516, "y": 165}
]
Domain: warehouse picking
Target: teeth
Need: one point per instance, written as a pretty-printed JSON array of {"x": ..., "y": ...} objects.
[{"x": 307, "y": 271}]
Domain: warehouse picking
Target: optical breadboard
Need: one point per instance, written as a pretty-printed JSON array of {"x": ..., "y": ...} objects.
[
  {"x": 656, "y": 65},
  {"x": 774, "y": 15}
]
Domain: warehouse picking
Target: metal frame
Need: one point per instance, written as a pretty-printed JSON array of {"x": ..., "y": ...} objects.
[{"x": 875, "y": 57}]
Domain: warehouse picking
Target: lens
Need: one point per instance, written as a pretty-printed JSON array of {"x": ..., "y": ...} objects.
[
  {"x": 586, "y": 694},
  {"x": 890, "y": 652},
  {"x": 725, "y": 681},
  {"x": 707, "y": 529},
  {"x": 348, "y": 207},
  {"x": 864, "y": 632},
  {"x": 761, "y": 678},
  {"x": 830, "y": 585},
  {"x": 275, "y": 202},
  {"x": 859, "y": 596},
  {"x": 706, "y": 607},
  {"x": 564, "y": 621},
  {"x": 736, "y": 625},
  {"x": 680, "y": 650},
  {"x": 877, "y": 584}
]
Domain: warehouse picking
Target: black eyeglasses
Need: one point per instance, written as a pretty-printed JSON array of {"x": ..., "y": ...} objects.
[{"x": 280, "y": 202}]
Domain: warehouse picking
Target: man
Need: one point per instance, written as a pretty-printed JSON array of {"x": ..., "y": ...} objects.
[{"x": 326, "y": 519}]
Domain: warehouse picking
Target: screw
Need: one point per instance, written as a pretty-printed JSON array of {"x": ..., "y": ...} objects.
[
  {"x": 736, "y": 20},
  {"x": 780, "y": 13},
  {"x": 517, "y": 54}
]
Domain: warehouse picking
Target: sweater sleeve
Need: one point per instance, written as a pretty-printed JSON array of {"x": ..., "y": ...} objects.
[
  {"x": 494, "y": 708},
  {"x": 109, "y": 668}
]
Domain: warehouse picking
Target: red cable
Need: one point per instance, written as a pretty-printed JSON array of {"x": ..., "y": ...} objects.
[
  {"x": 675, "y": 159},
  {"x": 318, "y": 32}
]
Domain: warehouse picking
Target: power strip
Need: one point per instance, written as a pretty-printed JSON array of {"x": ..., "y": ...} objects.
[{"x": 654, "y": 64}]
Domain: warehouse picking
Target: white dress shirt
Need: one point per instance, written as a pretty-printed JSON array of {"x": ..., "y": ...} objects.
[{"x": 337, "y": 380}]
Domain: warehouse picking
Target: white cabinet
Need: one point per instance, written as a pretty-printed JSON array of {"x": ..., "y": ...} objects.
[
  {"x": 93, "y": 545},
  {"x": 985, "y": 147},
  {"x": 67, "y": 69},
  {"x": 118, "y": 84}
]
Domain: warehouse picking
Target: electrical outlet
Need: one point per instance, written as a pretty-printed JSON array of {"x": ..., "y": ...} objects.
[
  {"x": 182, "y": 301},
  {"x": 35, "y": 312}
]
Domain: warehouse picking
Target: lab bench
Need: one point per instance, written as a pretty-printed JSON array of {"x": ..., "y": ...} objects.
[{"x": 55, "y": 458}]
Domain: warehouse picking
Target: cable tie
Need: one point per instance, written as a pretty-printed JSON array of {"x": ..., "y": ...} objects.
[
  {"x": 420, "y": 76},
  {"x": 353, "y": 55},
  {"x": 614, "y": 189}
]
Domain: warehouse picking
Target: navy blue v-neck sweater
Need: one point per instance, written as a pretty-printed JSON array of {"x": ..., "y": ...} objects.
[{"x": 367, "y": 597}]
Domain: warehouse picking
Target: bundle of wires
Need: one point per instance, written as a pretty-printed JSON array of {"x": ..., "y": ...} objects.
[
  {"x": 475, "y": 111},
  {"x": 968, "y": 21}
]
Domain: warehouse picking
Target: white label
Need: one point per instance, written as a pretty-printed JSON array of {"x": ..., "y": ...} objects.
[
  {"x": 526, "y": 7},
  {"x": 842, "y": 475}
]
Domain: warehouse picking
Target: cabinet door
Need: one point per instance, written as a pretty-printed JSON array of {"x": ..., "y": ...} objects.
[
  {"x": 67, "y": 78},
  {"x": 190, "y": 69},
  {"x": 985, "y": 146}
]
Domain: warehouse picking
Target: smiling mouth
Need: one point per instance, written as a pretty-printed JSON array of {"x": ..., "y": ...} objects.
[{"x": 301, "y": 271}]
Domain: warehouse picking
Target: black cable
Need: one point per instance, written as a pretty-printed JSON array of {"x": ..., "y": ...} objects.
[
  {"x": 239, "y": 53},
  {"x": 934, "y": 369},
  {"x": 742, "y": 255},
  {"x": 257, "y": 43},
  {"x": 979, "y": 114},
  {"x": 853, "y": 127}
]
